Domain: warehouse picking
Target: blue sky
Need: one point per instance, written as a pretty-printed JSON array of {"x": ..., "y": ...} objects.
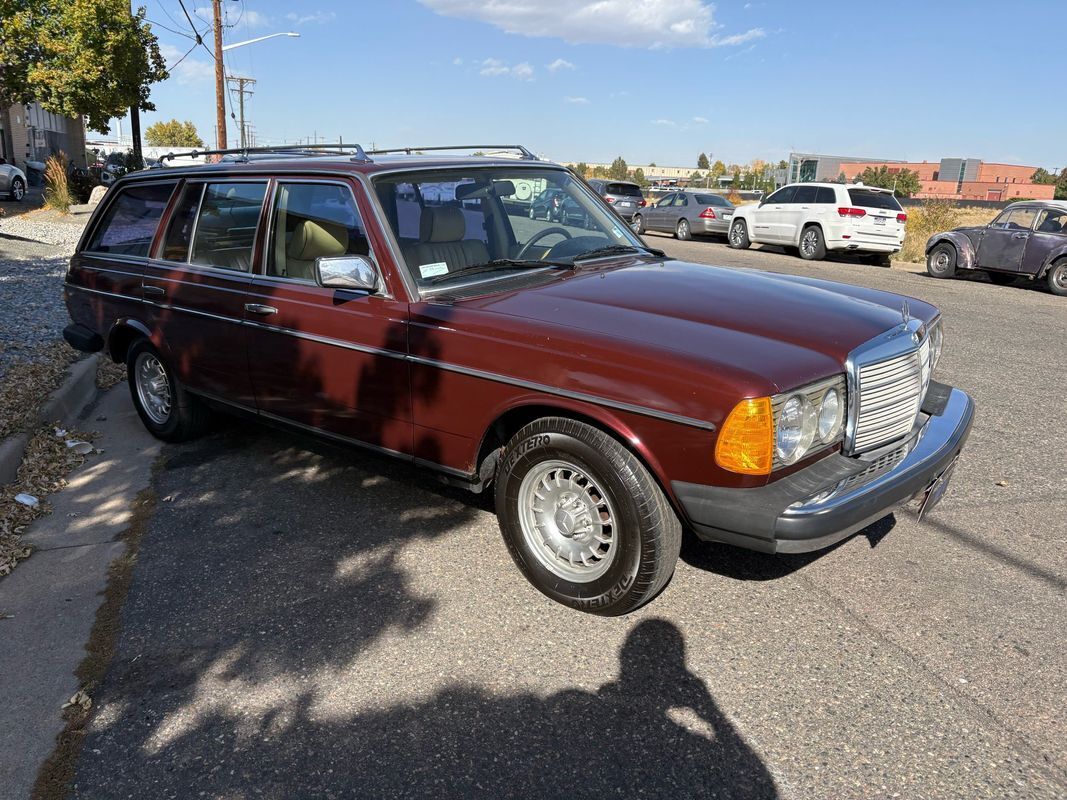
[{"x": 651, "y": 80}]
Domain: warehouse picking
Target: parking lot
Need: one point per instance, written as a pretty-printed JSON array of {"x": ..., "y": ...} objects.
[{"x": 310, "y": 621}]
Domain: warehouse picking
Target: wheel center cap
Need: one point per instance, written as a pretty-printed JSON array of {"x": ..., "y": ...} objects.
[{"x": 572, "y": 515}]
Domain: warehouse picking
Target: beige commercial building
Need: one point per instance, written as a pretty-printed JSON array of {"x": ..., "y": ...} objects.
[{"x": 29, "y": 133}]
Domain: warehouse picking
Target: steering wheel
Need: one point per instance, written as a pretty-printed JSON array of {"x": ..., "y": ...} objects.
[{"x": 539, "y": 236}]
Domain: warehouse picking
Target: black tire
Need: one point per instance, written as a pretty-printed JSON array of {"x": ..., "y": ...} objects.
[
  {"x": 683, "y": 231},
  {"x": 1001, "y": 278},
  {"x": 187, "y": 417},
  {"x": 880, "y": 260},
  {"x": 737, "y": 236},
  {"x": 1057, "y": 278},
  {"x": 645, "y": 531},
  {"x": 637, "y": 224},
  {"x": 18, "y": 189},
  {"x": 812, "y": 246},
  {"x": 941, "y": 260}
]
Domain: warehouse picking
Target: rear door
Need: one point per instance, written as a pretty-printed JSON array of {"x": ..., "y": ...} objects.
[
  {"x": 1006, "y": 238},
  {"x": 1050, "y": 233},
  {"x": 328, "y": 359},
  {"x": 197, "y": 284},
  {"x": 802, "y": 209},
  {"x": 880, "y": 220}
]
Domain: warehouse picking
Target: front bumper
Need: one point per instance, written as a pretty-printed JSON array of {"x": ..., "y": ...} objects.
[{"x": 837, "y": 496}]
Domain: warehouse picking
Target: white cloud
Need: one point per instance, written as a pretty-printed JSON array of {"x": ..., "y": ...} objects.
[
  {"x": 252, "y": 19},
  {"x": 625, "y": 23},
  {"x": 558, "y": 64},
  {"x": 578, "y": 101},
  {"x": 319, "y": 17},
  {"x": 668, "y": 122},
  {"x": 494, "y": 67},
  {"x": 190, "y": 70},
  {"x": 700, "y": 120},
  {"x": 457, "y": 61}
]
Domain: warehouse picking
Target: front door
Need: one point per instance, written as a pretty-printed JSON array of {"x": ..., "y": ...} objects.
[
  {"x": 658, "y": 214},
  {"x": 329, "y": 359},
  {"x": 195, "y": 286},
  {"x": 767, "y": 219},
  {"x": 1002, "y": 246}
]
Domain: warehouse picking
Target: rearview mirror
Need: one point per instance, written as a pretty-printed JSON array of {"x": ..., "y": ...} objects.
[{"x": 346, "y": 272}]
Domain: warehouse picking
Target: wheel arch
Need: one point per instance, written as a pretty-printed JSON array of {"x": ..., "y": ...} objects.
[
  {"x": 124, "y": 333},
  {"x": 959, "y": 241},
  {"x": 1057, "y": 255}
]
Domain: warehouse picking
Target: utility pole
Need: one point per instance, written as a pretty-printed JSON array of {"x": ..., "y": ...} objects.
[
  {"x": 220, "y": 80},
  {"x": 241, "y": 92},
  {"x": 135, "y": 130}
]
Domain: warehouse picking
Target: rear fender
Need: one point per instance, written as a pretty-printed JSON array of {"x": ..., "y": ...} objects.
[
  {"x": 1052, "y": 258},
  {"x": 964, "y": 249}
]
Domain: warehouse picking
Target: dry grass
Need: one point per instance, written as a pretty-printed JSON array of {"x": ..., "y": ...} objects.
[
  {"x": 27, "y": 385},
  {"x": 934, "y": 216},
  {"x": 57, "y": 194}
]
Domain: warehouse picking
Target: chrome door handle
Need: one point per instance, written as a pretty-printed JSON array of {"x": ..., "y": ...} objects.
[
  {"x": 1020, "y": 235},
  {"x": 256, "y": 308},
  {"x": 158, "y": 291}
]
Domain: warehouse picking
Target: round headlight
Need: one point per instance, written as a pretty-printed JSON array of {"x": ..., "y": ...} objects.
[
  {"x": 831, "y": 415},
  {"x": 796, "y": 429}
]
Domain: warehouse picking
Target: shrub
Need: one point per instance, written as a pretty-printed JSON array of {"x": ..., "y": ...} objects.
[
  {"x": 935, "y": 216},
  {"x": 57, "y": 194}
]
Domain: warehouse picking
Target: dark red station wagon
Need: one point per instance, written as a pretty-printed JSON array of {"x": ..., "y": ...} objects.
[{"x": 610, "y": 396}]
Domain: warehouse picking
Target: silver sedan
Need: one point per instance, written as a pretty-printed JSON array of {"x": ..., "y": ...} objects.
[
  {"x": 686, "y": 214},
  {"x": 12, "y": 182}
]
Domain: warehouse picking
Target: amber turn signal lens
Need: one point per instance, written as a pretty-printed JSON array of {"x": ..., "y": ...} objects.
[{"x": 746, "y": 441}]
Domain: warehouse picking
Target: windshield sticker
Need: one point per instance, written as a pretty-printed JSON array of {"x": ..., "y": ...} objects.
[
  {"x": 433, "y": 270},
  {"x": 616, "y": 231}
]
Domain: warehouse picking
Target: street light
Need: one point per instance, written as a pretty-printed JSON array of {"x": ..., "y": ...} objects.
[{"x": 259, "y": 39}]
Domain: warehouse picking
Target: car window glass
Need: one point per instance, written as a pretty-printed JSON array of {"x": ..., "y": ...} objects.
[
  {"x": 130, "y": 221},
  {"x": 1002, "y": 220},
  {"x": 667, "y": 201},
  {"x": 1021, "y": 219},
  {"x": 182, "y": 219},
  {"x": 682, "y": 200},
  {"x": 624, "y": 189},
  {"x": 825, "y": 195},
  {"x": 784, "y": 195},
  {"x": 868, "y": 198},
  {"x": 1052, "y": 221},
  {"x": 805, "y": 194},
  {"x": 226, "y": 225},
  {"x": 312, "y": 221}
]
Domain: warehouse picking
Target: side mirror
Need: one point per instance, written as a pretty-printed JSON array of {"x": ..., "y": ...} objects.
[{"x": 346, "y": 272}]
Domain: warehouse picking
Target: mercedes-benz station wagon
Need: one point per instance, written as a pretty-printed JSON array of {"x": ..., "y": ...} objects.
[{"x": 611, "y": 397}]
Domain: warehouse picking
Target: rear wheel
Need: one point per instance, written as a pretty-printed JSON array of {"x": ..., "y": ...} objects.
[
  {"x": 881, "y": 260},
  {"x": 683, "y": 231},
  {"x": 1057, "y": 278},
  {"x": 168, "y": 411},
  {"x": 637, "y": 224},
  {"x": 1001, "y": 278},
  {"x": 812, "y": 247},
  {"x": 583, "y": 519},
  {"x": 18, "y": 189},
  {"x": 941, "y": 260},
  {"x": 739, "y": 236}
]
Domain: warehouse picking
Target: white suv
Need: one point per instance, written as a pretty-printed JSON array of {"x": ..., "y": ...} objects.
[{"x": 816, "y": 217}]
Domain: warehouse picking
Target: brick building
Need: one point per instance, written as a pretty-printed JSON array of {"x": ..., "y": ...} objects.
[
  {"x": 29, "y": 133},
  {"x": 964, "y": 179}
]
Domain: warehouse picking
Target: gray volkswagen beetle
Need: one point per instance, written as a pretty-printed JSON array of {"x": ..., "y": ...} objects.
[
  {"x": 1027, "y": 238},
  {"x": 12, "y": 182}
]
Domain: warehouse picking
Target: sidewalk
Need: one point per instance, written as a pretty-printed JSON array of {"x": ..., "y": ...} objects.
[{"x": 53, "y": 597}]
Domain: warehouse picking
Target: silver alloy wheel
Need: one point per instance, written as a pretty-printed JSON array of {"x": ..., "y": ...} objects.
[
  {"x": 735, "y": 234},
  {"x": 809, "y": 241},
  {"x": 683, "y": 229},
  {"x": 635, "y": 224},
  {"x": 153, "y": 387},
  {"x": 18, "y": 191},
  {"x": 567, "y": 521}
]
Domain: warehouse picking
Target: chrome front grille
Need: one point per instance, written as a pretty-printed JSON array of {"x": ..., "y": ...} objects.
[{"x": 889, "y": 395}]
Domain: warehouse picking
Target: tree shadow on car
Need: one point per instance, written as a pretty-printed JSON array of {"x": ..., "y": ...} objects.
[{"x": 749, "y": 565}]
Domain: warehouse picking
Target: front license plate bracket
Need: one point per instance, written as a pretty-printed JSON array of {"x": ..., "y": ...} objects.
[{"x": 935, "y": 492}]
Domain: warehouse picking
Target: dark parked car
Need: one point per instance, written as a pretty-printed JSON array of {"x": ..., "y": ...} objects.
[
  {"x": 557, "y": 206},
  {"x": 685, "y": 214},
  {"x": 623, "y": 196},
  {"x": 1028, "y": 239},
  {"x": 609, "y": 396}
]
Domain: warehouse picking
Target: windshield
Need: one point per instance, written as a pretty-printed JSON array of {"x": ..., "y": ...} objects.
[{"x": 490, "y": 223}]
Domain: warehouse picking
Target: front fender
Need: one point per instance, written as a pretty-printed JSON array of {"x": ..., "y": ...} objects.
[
  {"x": 1052, "y": 258},
  {"x": 964, "y": 249}
]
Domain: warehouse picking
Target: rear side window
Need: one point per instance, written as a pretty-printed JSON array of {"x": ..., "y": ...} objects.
[
  {"x": 625, "y": 189},
  {"x": 866, "y": 198},
  {"x": 225, "y": 226},
  {"x": 806, "y": 194},
  {"x": 130, "y": 222},
  {"x": 826, "y": 195}
]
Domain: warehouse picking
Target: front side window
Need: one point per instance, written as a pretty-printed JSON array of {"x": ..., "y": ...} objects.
[
  {"x": 667, "y": 201},
  {"x": 1016, "y": 219},
  {"x": 226, "y": 223},
  {"x": 496, "y": 221},
  {"x": 783, "y": 195},
  {"x": 312, "y": 221},
  {"x": 130, "y": 222}
]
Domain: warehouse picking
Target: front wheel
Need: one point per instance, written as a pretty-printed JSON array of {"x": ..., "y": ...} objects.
[
  {"x": 18, "y": 189},
  {"x": 637, "y": 224},
  {"x": 1057, "y": 278},
  {"x": 812, "y": 247},
  {"x": 682, "y": 230},
  {"x": 583, "y": 519},
  {"x": 941, "y": 260},
  {"x": 167, "y": 410},
  {"x": 739, "y": 236}
]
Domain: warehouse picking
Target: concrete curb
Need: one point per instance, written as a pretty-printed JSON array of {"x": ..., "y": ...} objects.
[{"x": 66, "y": 402}]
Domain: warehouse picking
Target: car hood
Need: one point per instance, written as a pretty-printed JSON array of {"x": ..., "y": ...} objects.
[{"x": 777, "y": 331}]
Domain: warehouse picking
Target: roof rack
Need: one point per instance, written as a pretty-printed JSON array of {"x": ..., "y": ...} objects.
[
  {"x": 523, "y": 152},
  {"x": 307, "y": 150}
]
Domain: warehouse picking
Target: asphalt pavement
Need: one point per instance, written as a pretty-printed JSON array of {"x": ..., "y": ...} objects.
[{"x": 306, "y": 621}]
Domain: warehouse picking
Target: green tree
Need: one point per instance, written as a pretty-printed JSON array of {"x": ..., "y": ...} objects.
[
  {"x": 905, "y": 182},
  {"x": 735, "y": 181},
  {"x": 581, "y": 168},
  {"x": 601, "y": 172},
  {"x": 1061, "y": 185},
  {"x": 173, "y": 134},
  {"x": 695, "y": 177},
  {"x": 718, "y": 169},
  {"x": 618, "y": 170},
  {"x": 652, "y": 164},
  {"x": 639, "y": 177},
  {"x": 1043, "y": 176},
  {"x": 783, "y": 164},
  {"x": 78, "y": 57},
  {"x": 702, "y": 161}
]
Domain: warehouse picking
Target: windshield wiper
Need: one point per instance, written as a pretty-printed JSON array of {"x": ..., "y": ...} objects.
[
  {"x": 499, "y": 264},
  {"x": 618, "y": 249}
]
